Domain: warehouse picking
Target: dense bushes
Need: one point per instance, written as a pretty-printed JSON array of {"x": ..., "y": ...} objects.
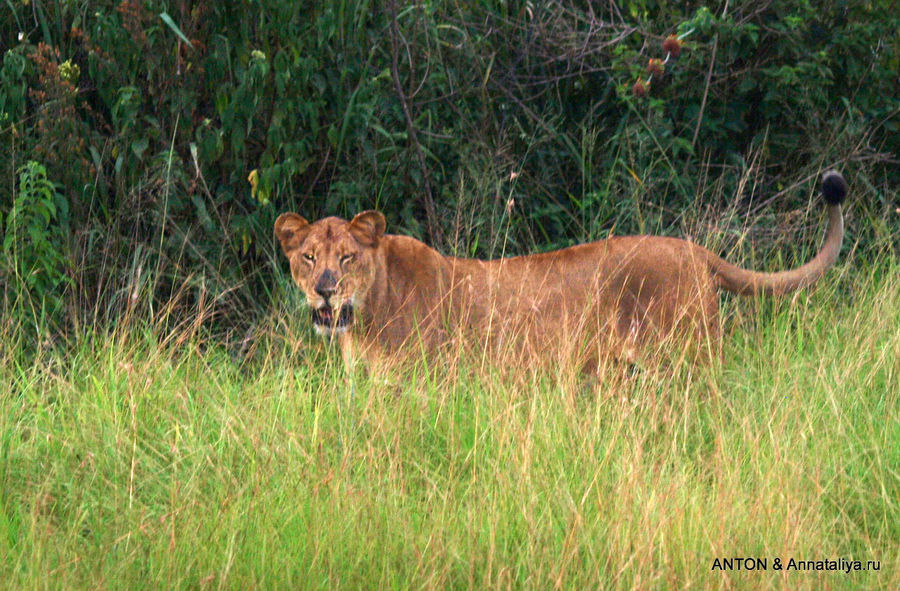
[{"x": 173, "y": 133}]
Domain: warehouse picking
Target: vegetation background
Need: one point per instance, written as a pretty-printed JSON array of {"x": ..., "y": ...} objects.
[{"x": 163, "y": 389}]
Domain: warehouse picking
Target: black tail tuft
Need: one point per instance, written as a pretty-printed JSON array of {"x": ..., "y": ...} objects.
[{"x": 834, "y": 187}]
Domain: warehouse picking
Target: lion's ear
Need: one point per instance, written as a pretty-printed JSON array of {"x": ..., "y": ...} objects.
[
  {"x": 368, "y": 227},
  {"x": 290, "y": 229}
]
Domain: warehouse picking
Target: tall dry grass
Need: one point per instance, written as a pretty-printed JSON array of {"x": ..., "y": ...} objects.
[{"x": 147, "y": 455}]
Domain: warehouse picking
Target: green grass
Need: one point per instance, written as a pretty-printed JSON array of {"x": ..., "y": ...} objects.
[{"x": 127, "y": 464}]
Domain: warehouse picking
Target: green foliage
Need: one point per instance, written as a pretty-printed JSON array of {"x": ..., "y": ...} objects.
[
  {"x": 484, "y": 128},
  {"x": 12, "y": 88},
  {"x": 34, "y": 239}
]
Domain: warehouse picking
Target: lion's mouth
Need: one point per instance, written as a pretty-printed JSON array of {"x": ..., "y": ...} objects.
[{"x": 324, "y": 317}]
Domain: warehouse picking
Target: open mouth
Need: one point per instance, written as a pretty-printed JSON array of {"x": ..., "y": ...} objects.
[{"x": 325, "y": 317}]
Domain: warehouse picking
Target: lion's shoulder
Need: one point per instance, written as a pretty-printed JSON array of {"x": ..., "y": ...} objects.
[{"x": 409, "y": 256}]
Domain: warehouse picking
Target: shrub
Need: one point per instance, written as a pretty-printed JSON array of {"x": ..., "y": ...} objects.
[{"x": 34, "y": 240}]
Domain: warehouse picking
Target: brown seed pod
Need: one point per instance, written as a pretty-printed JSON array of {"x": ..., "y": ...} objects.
[
  {"x": 672, "y": 45},
  {"x": 640, "y": 88},
  {"x": 655, "y": 67}
]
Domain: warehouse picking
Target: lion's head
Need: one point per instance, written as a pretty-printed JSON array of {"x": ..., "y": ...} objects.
[{"x": 332, "y": 261}]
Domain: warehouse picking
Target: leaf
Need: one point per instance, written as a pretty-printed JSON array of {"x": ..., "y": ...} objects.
[
  {"x": 168, "y": 20},
  {"x": 62, "y": 207},
  {"x": 95, "y": 157},
  {"x": 682, "y": 144},
  {"x": 37, "y": 237},
  {"x": 332, "y": 135},
  {"x": 203, "y": 214},
  {"x": 139, "y": 146},
  {"x": 50, "y": 208},
  {"x": 747, "y": 84}
]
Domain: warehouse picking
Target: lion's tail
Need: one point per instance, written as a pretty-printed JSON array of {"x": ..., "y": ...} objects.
[{"x": 737, "y": 280}]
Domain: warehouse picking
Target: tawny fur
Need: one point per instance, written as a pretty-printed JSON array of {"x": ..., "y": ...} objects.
[{"x": 617, "y": 298}]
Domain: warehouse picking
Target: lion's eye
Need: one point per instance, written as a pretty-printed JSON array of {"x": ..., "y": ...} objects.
[
  {"x": 346, "y": 259},
  {"x": 309, "y": 257}
]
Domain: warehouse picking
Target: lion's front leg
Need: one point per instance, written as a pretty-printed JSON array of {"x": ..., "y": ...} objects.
[
  {"x": 349, "y": 351},
  {"x": 364, "y": 358}
]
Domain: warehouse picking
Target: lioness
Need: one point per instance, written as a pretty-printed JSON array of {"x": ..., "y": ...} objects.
[{"x": 610, "y": 299}]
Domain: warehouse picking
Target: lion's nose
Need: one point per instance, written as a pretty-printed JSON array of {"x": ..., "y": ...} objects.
[
  {"x": 326, "y": 285},
  {"x": 325, "y": 292}
]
